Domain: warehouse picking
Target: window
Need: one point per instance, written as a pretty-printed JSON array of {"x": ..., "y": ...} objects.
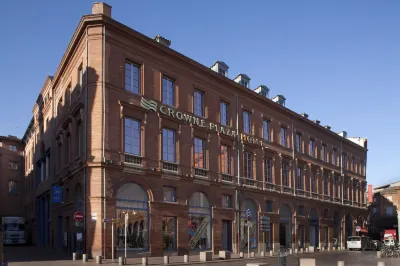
[
  {"x": 299, "y": 144},
  {"x": 336, "y": 188},
  {"x": 225, "y": 160},
  {"x": 169, "y": 194},
  {"x": 79, "y": 143},
  {"x": 266, "y": 131},
  {"x": 353, "y": 164},
  {"x": 168, "y": 91},
  {"x": 227, "y": 201},
  {"x": 198, "y": 103},
  {"x": 326, "y": 185},
  {"x": 224, "y": 113},
  {"x": 268, "y": 206},
  {"x": 334, "y": 157},
  {"x": 68, "y": 148},
  {"x": 248, "y": 165},
  {"x": 326, "y": 213},
  {"x": 362, "y": 168},
  {"x": 344, "y": 161},
  {"x": 199, "y": 153},
  {"x": 132, "y": 77},
  {"x": 323, "y": 152},
  {"x": 345, "y": 192},
  {"x": 80, "y": 77},
  {"x": 285, "y": 174},
  {"x": 244, "y": 83},
  {"x": 221, "y": 71},
  {"x": 132, "y": 137},
  {"x": 169, "y": 233},
  {"x": 311, "y": 148},
  {"x": 246, "y": 122},
  {"x": 389, "y": 211},
  {"x": 13, "y": 165},
  {"x": 300, "y": 182},
  {"x": 12, "y": 148},
  {"x": 375, "y": 199},
  {"x": 283, "y": 137},
  {"x": 301, "y": 210},
  {"x": 314, "y": 182},
  {"x": 268, "y": 170},
  {"x": 168, "y": 143},
  {"x": 13, "y": 188}
]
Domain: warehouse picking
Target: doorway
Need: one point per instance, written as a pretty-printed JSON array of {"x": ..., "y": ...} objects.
[
  {"x": 282, "y": 235},
  {"x": 326, "y": 237},
  {"x": 227, "y": 235}
]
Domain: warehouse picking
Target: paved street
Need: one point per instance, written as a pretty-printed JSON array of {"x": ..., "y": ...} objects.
[{"x": 28, "y": 255}]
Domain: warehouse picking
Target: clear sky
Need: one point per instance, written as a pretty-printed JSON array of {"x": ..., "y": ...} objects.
[{"x": 338, "y": 61}]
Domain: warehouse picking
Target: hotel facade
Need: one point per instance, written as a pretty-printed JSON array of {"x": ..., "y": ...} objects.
[{"x": 128, "y": 128}]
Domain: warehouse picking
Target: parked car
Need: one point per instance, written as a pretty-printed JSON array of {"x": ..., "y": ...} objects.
[{"x": 360, "y": 243}]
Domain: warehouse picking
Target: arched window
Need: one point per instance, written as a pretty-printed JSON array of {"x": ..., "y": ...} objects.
[
  {"x": 248, "y": 208},
  {"x": 132, "y": 200},
  {"x": 199, "y": 224}
]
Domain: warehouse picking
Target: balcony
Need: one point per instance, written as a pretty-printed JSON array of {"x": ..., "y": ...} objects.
[
  {"x": 270, "y": 186},
  {"x": 133, "y": 159},
  {"x": 200, "y": 172},
  {"x": 314, "y": 195},
  {"x": 249, "y": 182},
  {"x": 336, "y": 199},
  {"x": 286, "y": 189},
  {"x": 168, "y": 166},
  {"x": 346, "y": 202},
  {"x": 327, "y": 198},
  {"x": 301, "y": 192},
  {"x": 226, "y": 178}
]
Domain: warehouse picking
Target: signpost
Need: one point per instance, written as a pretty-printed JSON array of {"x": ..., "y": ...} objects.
[
  {"x": 112, "y": 221},
  {"x": 126, "y": 229},
  {"x": 248, "y": 214},
  {"x": 78, "y": 216},
  {"x": 358, "y": 229}
]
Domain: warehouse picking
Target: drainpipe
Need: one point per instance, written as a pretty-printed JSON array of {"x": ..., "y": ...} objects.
[
  {"x": 85, "y": 140},
  {"x": 294, "y": 164},
  {"x": 238, "y": 175},
  {"x": 104, "y": 139}
]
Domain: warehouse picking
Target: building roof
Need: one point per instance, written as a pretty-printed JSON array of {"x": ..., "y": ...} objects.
[
  {"x": 12, "y": 138},
  {"x": 220, "y": 63},
  {"x": 391, "y": 185}
]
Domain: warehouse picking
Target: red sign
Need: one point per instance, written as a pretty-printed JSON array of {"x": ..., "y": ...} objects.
[
  {"x": 78, "y": 216},
  {"x": 358, "y": 228}
]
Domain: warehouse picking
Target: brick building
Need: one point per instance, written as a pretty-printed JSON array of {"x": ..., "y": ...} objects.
[
  {"x": 11, "y": 176},
  {"x": 128, "y": 125},
  {"x": 383, "y": 209}
]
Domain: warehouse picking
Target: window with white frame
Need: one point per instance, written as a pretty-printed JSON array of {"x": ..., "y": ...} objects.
[
  {"x": 12, "y": 147},
  {"x": 334, "y": 157},
  {"x": 344, "y": 161},
  {"x": 299, "y": 144},
  {"x": 198, "y": 103},
  {"x": 311, "y": 148},
  {"x": 300, "y": 182},
  {"x": 268, "y": 169},
  {"x": 336, "y": 187},
  {"x": 13, "y": 165},
  {"x": 285, "y": 174},
  {"x": 199, "y": 153},
  {"x": 283, "y": 137},
  {"x": 323, "y": 153},
  {"x": 132, "y": 137},
  {"x": 313, "y": 182},
  {"x": 266, "y": 130},
  {"x": 168, "y": 91},
  {"x": 248, "y": 165},
  {"x": 247, "y": 122},
  {"x": 132, "y": 77},
  {"x": 225, "y": 159},
  {"x": 168, "y": 145},
  {"x": 224, "y": 113},
  {"x": 326, "y": 185}
]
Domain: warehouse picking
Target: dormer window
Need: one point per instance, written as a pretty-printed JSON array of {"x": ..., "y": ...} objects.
[
  {"x": 221, "y": 68},
  {"x": 243, "y": 80},
  {"x": 279, "y": 99},
  {"x": 262, "y": 90}
]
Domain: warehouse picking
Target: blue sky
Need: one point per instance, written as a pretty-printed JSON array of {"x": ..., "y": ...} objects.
[{"x": 338, "y": 61}]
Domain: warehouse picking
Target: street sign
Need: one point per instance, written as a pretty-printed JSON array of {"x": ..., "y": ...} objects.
[
  {"x": 56, "y": 194},
  {"x": 108, "y": 220},
  {"x": 265, "y": 223},
  {"x": 358, "y": 228},
  {"x": 78, "y": 216},
  {"x": 248, "y": 213},
  {"x": 265, "y": 218},
  {"x": 79, "y": 223}
]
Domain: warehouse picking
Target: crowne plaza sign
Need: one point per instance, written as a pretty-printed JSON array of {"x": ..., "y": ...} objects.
[{"x": 200, "y": 122}]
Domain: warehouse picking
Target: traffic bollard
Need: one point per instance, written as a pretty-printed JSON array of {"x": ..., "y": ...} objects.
[
  {"x": 166, "y": 260},
  {"x": 241, "y": 255},
  {"x": 185, "y": 258},
  {"x": 340, "y": 263},
  {"x": 84, "y": 258},
  {"x": 252, "y": 255},
  {"x": 74, "y": 256},
  {"x": 121, "y": 261},
  {"x": 378, "y": 254},
  {"x": 262, "y": 254},
  {"x": 99, "y": 260},
  {"x": 145, "y": 261},
  {"x": 381, "y": 263}
]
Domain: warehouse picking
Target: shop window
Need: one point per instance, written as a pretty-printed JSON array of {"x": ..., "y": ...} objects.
[
  {"x": 169, "y": 233},
  {"x": 199, "y": 223}
]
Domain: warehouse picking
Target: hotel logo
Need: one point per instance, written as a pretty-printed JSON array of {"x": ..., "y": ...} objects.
[{"x": 148, "y": 104}]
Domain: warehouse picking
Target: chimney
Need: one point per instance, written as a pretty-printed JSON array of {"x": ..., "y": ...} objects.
[
  {"x": 279, "y": 99},
  {"x": 304, "y": 115},
  {"x": 262, "y": 90},
  {"x": 327, "y": 127},
  {"x": 317, "y": 122},
  {"x": 243, "y": 80},
  {"x": 160, "y": 39},
  {"x": 221, "y": 68},
  {"x": 343, "y": 134},
  {"x": 101, "y": 8},
  {"x": 370, "y": 194}
]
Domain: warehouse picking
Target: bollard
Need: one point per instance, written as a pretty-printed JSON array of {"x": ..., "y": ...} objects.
[
  {"x": 166, "y": 260},
  {"x": 306, "y": 262},
  {"x": 378, "y": 254},
  {"x": 301, "y": 250},
  {"x": 121, "y": 261},
  {"x": 290, "y": 251},
  {"x": 241, "y": 255},
  {"x": 340, "y": 263},
  {"x": 99, "y": 260},
  {"x": 84, "y": 258},
  {"x": 295, "y": 251},
  {"x": 322, "y": 249},
  {"x": 271, "y": 253},
  {"x": 74, "y": 256},
  {"x": 381, "y": 263},
  {"x": 185, "y": 258},
  {"x": 252, "y": 254},
  {"x": 145, "y": 261}
]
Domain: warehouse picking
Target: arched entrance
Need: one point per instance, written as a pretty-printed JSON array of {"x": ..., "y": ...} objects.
[
  {"x": 199, "y": 224},
  {"x": 337, "y": 239},
  {"x": 133, "y": 200},
  {"x": 349, "y": 226},
  {"x": 245, "y": 206},
  {"x": 285, "y": 226},
  {"x": 313, "y": 228}
]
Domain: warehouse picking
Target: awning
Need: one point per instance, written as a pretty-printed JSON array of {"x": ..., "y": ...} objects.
[{"x": 363, "y": 230}]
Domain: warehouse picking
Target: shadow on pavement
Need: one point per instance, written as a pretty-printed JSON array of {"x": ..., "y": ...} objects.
[{"x": 32, "y": 253}]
